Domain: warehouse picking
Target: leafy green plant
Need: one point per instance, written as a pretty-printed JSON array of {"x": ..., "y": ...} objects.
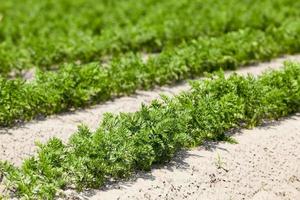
[
  {"x": 128, "y": 142},
  {"x": 75, "y": 86},
  {"x": 47, "y": 33}
]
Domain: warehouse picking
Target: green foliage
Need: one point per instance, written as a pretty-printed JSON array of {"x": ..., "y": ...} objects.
[
  {"x": 128, "y": 142},
  {"x": 46, "y": 33},
  {"x": 86, "y": 31},
  {"x": 75, "y": 86}
]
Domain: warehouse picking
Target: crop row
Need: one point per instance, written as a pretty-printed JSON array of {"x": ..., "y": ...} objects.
[
  {"x": 75, "y": 86},
  {"x": 128, "y": 142},
  {"x": 46, "y": 33}
]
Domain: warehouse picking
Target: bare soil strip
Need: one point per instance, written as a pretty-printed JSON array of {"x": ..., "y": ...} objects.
[
  {"x": 264, "y": 165},
  {"x": 19, "y": 142}
]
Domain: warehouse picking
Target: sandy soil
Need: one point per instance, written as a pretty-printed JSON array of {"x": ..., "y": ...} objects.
[
  {"x": 264, "y": 165},
  {"x": 19, "y": 142}
]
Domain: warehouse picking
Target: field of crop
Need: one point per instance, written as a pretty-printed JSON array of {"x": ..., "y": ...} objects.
[
  {"x": 85, "y": 52},
  {"x": 46, "y": 33}
]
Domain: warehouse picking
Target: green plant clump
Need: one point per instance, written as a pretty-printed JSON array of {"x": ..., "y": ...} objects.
[
  {"x": 79, "y": 86},
  {"x": 128, "y": 142},
  {"x": 46, "y": 33}
]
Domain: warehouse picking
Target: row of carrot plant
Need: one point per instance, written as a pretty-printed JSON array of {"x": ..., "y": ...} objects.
[
  {"x": 46, "y": 33},
  {"x": 75, "y": 86},
  {"x": 128, "y": 142}
]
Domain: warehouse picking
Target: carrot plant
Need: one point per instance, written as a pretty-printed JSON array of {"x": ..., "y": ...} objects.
[
  {"x": 46, "y": 33},
  {"x": 128, "y": 142},
  {"x": 75, "y": 86}
]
